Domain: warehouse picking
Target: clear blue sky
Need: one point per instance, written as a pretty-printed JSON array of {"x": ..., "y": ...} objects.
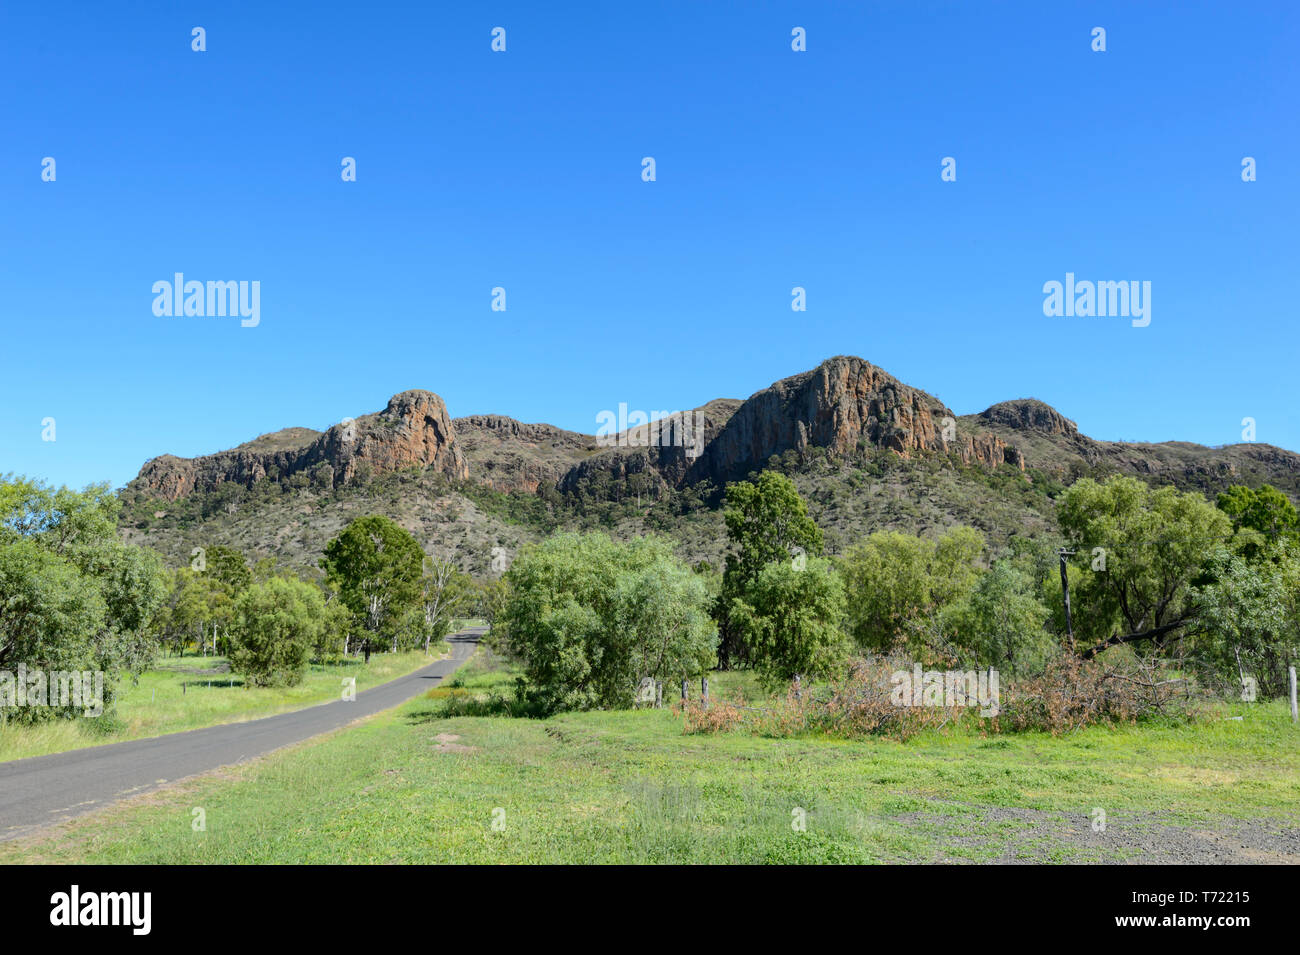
[{"x": 523, "y": 170}]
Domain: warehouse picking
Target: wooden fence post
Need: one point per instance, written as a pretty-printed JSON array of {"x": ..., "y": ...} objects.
[
  {"x": 704, "y": 689},
  {"x": 683, "y": 690},
  {"x": 659, "y": 694}
]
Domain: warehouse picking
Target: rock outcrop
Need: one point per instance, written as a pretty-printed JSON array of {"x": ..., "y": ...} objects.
[
  {"x": 1029, "y": 414},
  {"x": 843, "y": 404},
  {"x": 412, "y": 431}
]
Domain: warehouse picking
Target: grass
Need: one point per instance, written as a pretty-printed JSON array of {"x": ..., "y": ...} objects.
[
  {"x": 182, "y": 693},
  {"x": 414, "y": 786}
]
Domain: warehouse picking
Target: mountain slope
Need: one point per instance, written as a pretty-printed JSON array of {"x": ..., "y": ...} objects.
[
  {"x": 866, "y": 450},
  {"x": 1051, "y": 442}
]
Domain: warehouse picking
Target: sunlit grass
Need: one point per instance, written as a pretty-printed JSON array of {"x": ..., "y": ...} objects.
[
  {"x": 180, "y": 693},
  {"x": 412, "y": 785}
]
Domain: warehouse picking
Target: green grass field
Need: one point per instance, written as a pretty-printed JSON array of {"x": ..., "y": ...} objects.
[
  {"x": 183, "y": 693},
  {"x": 412, "y": 785}
]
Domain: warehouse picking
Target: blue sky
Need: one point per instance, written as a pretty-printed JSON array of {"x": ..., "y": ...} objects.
[{"x": 522, "y": 170}]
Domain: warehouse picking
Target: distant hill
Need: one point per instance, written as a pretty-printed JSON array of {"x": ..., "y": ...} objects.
[{"x": 866, "y": 450}]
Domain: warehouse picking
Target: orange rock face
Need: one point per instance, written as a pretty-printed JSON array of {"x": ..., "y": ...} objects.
[
  {"x": 842, "y": 403},
  {"x": 413, "y": 431}
]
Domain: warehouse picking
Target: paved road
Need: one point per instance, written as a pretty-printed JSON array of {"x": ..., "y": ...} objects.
[{"x": 44, "y": 789}]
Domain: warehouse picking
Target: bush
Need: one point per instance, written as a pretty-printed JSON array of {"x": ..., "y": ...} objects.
[
  {"x": 789, "y": 619},
  {"x": 716, "y": 716},
  {"x": 898, "y": 583},
  {"x": 72, "y": 596},
  {"x": 589, "y": 618},
  {"x": 276, "y": 625},
  {"x": 1067, "y": 695}
]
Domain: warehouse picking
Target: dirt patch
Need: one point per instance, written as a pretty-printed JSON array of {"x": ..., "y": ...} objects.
[
  {"x": 195, "y": 671},
  {"x": 1037, "y": 836},
  {"x": 447, "y": 744}
]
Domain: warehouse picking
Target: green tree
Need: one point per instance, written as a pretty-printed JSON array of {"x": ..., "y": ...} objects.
[
  {"x": 789, "y": 617},
  {"x": 50, "y": 613},
  {"x": 490, "y": 599},
  {"x": 72, "y": 596},
  {"x": 276, "y": 625},
  {"x": 662, "y": 609},
  {"x": 229, "y": 576},
  {"x": 767, "y": 521},
  {"x": 229, "y": 567},
  {"x": 336, "y": 628},
  {"x": 265, "y": 569},
  {"x": 375, "y": 567},
  {"x": 1248, "y": 622},
  {"x": 133, "y": 584},
  {"x": 443, "y": 591},
  {"x": 898, "y": 584},
  {"x": 1261, "y": 517},
  {"x": 196, "y": 604},
  {"x": 590, "y": 618},
  {"x": 1155, "y": 543},
  {"x": 1000, "y": 622}
]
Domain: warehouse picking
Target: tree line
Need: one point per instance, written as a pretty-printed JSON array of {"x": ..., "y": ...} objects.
[
  {"x": 73, "y": 596},
  {"x": 1156, "y": 573},
  {"x": 1151, "y": 572}
]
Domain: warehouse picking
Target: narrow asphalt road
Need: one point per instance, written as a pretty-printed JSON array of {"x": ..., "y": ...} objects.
[{"x": 40, "y": 790}]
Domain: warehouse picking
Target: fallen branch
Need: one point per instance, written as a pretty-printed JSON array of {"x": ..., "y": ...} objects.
[{"x": 1117, "y": 639}]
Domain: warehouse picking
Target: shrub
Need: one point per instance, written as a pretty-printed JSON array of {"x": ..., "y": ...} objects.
[
  {"x": 590, "y": 617},
  {"x": 789, "y": 619},
  {"x": 276, "y": 625},
  {"x": 898, "y": 582},
  {"x": 715, "y": 716},
  {"x": 1067, "y": 695}
]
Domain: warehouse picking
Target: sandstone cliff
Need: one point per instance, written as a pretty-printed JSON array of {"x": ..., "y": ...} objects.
[
  {"x": 412, "y": 431},
  {"x": 663, "y": 451},
  {"x": 845, "y": 404},
  {"x": 841, "y": 404}
]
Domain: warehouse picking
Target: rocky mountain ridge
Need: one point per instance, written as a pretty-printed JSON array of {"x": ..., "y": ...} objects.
[
  {"x": 413, "y": 430},
  {"x": 843, "y": 405}
]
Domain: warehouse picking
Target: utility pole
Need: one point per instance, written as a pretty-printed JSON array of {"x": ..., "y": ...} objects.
[{"x": 1065, "y": 590}]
